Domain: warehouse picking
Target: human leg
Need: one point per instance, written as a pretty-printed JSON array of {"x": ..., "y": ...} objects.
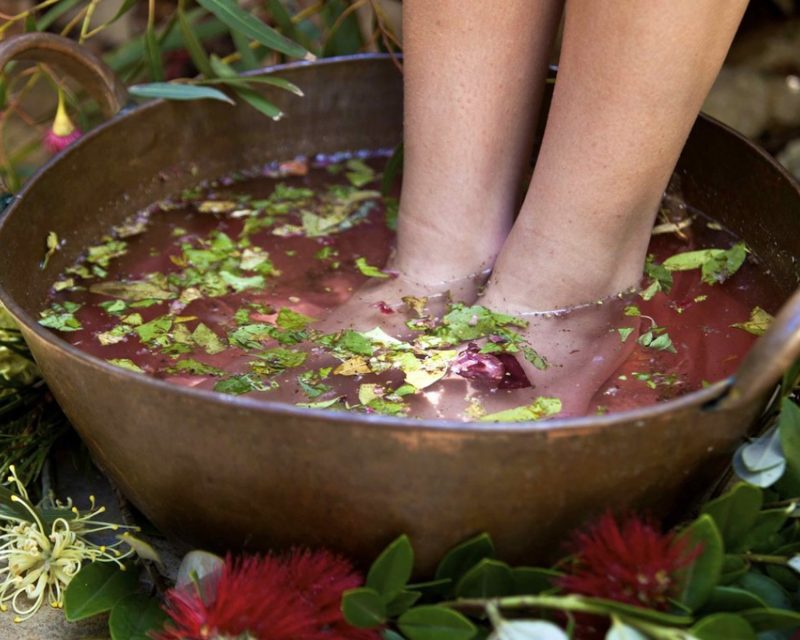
[{"x": 632, "y": 78}]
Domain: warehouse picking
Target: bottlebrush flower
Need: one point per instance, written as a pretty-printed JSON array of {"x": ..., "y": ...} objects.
[
  {"x": 267, "y": 598},
  {"x": 631, "y": 562},
  {"x": 63, "y": 132}
]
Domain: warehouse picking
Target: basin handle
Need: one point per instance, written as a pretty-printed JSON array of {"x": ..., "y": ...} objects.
[
  {"x": 771, "y": 355},
  {"x": 72, "y": 59}
]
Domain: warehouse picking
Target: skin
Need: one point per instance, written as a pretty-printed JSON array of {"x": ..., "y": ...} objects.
[{"x": 632, "y": 78}]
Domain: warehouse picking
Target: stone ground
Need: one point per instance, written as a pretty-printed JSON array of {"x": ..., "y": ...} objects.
[{"x": 757, "y": 93}]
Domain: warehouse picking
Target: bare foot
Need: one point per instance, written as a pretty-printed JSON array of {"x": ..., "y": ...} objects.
[{"x": 582, "y": 348}]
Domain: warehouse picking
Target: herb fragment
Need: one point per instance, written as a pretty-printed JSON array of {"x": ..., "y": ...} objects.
[
  {"x": 542, "y": 407},
  {"x": 760, "y": 320},
  {"x": 657, "y": 338},
  {"x": 660, "y": 279},
  {"x": 53, "y": 244},
  {"x": 195, "y": 368},
  {"x": 716, "y": 265},
  {"x": 292, "y": 320},
  {"x": 126, "y": 363},
  {"x": 61, "y": 317},
  {"x": 368, "y": 270}
]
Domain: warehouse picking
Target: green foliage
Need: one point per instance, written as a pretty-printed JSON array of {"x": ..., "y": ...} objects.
[{"x": 96, "y": 588}]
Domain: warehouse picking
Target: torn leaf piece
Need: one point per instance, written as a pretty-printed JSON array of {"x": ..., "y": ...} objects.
[
  {"x": 237, "y": 385},
  {"x": 353, "y": 367},
  {"x": 276, "y": 360},
  {"x": 368, "y": 270},
  {"x": 657, "y": 338},
  {"x": 716, "y": 265},
  {"x": 53, "y": 244},
  {"x": 758, "y": 323},
  {"x": 359, "y": 173},
  {"x": 292, "y": 320},
  {"x": 61, "y": 317},
  {"x": 462, "y": 323},
  {"x": 149, "y": 289},
  {"x": 209, "y": 341},
  {"x": 542, "y": 407},
  {"x": 423, "y": 372},
  {"x": 195, "y": 368},
  {"x": 660, "y": 279},
  {"x": 126, "y": 363},
  {"x": 311, "y": 382}
]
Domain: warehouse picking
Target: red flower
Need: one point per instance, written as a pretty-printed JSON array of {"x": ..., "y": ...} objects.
[
  {"x": 267, "y": 598},
  {"x": 632, "y": 562},
  {"x": 321, "y": 578}
]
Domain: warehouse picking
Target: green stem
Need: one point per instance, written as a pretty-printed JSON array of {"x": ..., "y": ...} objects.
[{"x": 766, "y": 559}]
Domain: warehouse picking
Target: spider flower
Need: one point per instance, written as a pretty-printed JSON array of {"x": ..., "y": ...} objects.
[
  {"x": 42, "y": 548},
  {"x": 63, "y": 132},
  {"x": 630, "y": 562},
  {"x": 266, "y": 598}
]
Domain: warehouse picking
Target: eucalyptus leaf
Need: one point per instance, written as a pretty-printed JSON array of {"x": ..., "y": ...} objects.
[
  {"x": 363, "y": 607},
  {"x": 229, "y": 12},
  {"x": 392, "y": 569},
  {"x": 704, "y": 573},
  {"x": 193, "y": 45},
  {"x": 764, "y": 452},
  {"x": 136, "y": 617},
  {"x": 723, "y": 626},
  {"x": 763, "y": 478},
  {"x": 435, "y": 623},
  {"x": 259, "y": 102},
  {"x": 96, "y": 588},
  {"x": 152, "y": 49},
  {"x": 177, "y": 91}
]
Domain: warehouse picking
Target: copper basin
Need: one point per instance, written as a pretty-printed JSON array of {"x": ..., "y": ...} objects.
[{"x": 221, "y": 471}]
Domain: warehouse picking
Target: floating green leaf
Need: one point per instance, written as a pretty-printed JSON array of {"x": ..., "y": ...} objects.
[
  {"x": 758, "y": 323},
  {"x": 540, "y": 408}
]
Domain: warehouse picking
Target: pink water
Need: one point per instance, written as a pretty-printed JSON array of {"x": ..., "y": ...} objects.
[{"x": 707, "y": 347}]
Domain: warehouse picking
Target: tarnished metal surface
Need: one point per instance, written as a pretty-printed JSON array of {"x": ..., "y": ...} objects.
[{"x": 228, "y": 471}]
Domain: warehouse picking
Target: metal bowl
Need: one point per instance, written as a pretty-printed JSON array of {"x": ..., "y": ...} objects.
[{"x": 223, "y": 471}]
